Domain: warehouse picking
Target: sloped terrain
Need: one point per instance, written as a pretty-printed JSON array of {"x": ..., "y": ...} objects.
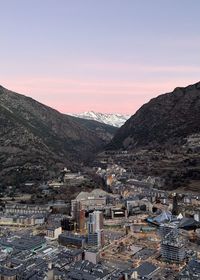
[
  {"x": 36, "y": 140},
  {"x": 163, "y": 140},
  {"x": 165, "y": 119}
]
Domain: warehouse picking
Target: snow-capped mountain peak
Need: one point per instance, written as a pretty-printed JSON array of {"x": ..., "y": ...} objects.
[{"x": 111, "y": 119}]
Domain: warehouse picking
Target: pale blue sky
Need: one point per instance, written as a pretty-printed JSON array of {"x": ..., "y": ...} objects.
[{"x": 103, "y": 55}]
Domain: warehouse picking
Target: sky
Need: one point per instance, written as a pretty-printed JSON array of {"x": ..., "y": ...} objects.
[{"x": 101, "y": 55}]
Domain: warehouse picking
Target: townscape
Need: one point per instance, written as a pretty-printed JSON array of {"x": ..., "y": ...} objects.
[
  {"x": 99, "y": 140},
  {"x": 126, "y": 230}
]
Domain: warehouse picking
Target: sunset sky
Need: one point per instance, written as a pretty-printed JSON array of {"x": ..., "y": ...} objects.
[{"x": 101, "y": 55}]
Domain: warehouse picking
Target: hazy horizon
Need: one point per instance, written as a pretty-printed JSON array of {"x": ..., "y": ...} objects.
[{"x": 103, "y": 56}]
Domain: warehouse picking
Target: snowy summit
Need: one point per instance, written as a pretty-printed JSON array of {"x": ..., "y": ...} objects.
[{"x": 116, "y": 120}]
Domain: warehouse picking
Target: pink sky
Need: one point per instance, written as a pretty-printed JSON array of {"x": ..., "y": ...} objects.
[
  {"x": 105, "y": 56},
  {"x": 78, "y": 95}
]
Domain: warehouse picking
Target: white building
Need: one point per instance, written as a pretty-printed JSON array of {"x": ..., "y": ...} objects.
[
  {"x": 52, "y": 233},
  {"x": 95, "y": 229}
]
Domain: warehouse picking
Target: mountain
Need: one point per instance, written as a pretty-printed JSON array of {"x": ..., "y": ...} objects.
[
  {"x": 163, "y": 139},
  {"x": 102, "y": 130},
  {"x": 167, "y": 118},
  {"x": 36, "y": 140},
  {"x": 116, "y": 120}
]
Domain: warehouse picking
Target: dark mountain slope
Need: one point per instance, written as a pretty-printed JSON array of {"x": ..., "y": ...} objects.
[
  {"x": 35, "y": 140},
  {"x": 163, "y": 140},
  {"x": 168, "y": 118},
  {"x": 104, "y": 131}
]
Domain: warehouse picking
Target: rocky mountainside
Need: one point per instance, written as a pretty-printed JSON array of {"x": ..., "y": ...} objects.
[
  {"x": 163, "y": 139},
  {"x": 165, "y": 119},
  {"x": 103, "y": 131},
  {"x": 36, "y": 140},
  {"x": 116, "y": 120}
]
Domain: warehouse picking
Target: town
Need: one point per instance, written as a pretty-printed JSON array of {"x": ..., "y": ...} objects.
[
  {"x": 99, "y": 140},
  {"x": 123, "y": 229}
]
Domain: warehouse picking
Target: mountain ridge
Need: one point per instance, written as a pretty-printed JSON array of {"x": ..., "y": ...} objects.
[
  {"x": 116, "y": 120},
  {"x": 36, "y": 140},
  {"x": 163, "y": 140},
  {"x": 169, "y": 115}
]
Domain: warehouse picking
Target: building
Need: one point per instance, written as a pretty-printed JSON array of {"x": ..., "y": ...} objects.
[
  {"x": 22, "y": 220},
  {"x": 165, "y": 228},
  {"x": 175, "y": 208},
  {"x": 78, "y": 215},
  {"x": 31, "y": 243},
  {"x": 172, "y": 247},
  {"x": 60, "y": 206},
  {"x": 197, "y": 216},
  {"x": 95, "y": 200},
  {"x": 8, "y": 273},
  {"x": 119, "y": 213},
  {"x": 92, "y": 256},
  {"x": 52, "y": 233},
  {"x": 27, "y": 209},
  {"x": 86, "y": 270},
  {"x": 81, "y": 220},
  {"x": 67, "y": 224},
  {"x": 74, "y": 240},
  {"x": 95, "y": 229},
  {"x": 136, "y": 204},
  {"x": 144, "y": 271},
  {"x": 93, "y": 240},
  {"x": 191, "y": 271}
]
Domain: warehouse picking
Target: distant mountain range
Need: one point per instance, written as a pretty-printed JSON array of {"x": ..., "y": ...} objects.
[
  {"x": 36, "y": 140},
  {"x": 116, "y": 120}
]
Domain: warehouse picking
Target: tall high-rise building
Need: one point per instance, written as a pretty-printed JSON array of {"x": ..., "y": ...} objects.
[
  {"x": 81, "y": 220},
  {"x": 165, "y": 228},
  {"x": 175, "y": 208},
  {"x": 78, "y": 215},
  {"x": 172, "y": 247},
  {"x": 95, "y": 229}
]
